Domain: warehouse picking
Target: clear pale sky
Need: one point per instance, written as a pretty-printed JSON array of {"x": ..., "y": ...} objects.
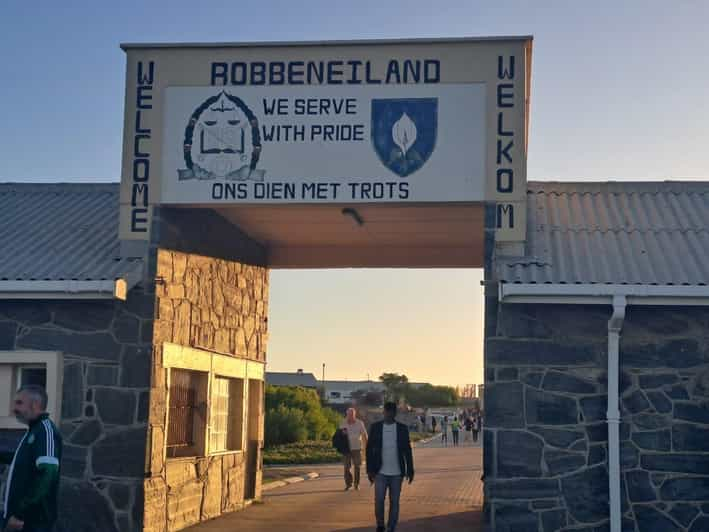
[{"x": 618, "y": 92}]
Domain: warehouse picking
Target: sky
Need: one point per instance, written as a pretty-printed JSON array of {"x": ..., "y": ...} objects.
[{"x": 618, "y": 92}]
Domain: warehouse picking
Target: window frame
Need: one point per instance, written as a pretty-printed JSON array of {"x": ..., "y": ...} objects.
[
  {"x": 53, "y": 361},
  {"x": 199, "y": 415},
  {"x": 215, "y": 366}
]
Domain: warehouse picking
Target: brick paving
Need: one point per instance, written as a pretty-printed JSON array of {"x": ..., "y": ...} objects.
[{"x": 446, "y": 495}]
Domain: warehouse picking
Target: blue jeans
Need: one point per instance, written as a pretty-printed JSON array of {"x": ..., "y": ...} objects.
[{"x": 393, "y": 484}]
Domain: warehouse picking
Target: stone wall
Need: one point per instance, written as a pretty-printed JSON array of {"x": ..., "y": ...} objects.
[
  {"x": 219, "y": 306},
  {"x": 546, "y": 439},
  {"x": 106, "y": 347}
]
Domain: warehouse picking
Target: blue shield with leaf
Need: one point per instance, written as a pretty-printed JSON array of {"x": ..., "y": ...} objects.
[{"x": 404, "y": 132}]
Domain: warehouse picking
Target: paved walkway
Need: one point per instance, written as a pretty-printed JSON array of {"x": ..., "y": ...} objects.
[{"x": 445, "y": 495}]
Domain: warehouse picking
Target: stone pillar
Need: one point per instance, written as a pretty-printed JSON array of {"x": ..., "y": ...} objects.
[{"x": 211, "y": 294}]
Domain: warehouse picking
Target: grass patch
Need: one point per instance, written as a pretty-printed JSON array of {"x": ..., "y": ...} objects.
[
  {"x": 418, "y": 436},
  {"x": 307, "y": 452},
  {"x": 313, "y": 452}
]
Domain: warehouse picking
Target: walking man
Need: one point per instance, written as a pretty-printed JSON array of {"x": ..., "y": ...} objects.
[
  {"x": 389, "y": 460},
  {"x": 455, "y": 427},
  {"x": 357, "y": 437},
  {"x": 33, "y": 478},
  {"x": 444, "y": 430}
]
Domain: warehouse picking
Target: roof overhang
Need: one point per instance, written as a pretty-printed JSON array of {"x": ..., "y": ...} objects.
[
  {"x": 435, "y": 235},
  {"x": 70, "y": 289},
  {"x": 602, "y": 294},
  {"x": 346, "y": 42}
]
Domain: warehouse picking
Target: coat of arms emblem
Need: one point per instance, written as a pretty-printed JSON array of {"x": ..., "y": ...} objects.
[
  {"x": 222, "y": 141},
  {"x": 404, "y": 132}
]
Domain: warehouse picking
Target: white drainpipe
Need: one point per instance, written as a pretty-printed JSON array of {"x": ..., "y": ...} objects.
[
  {"x": 615, "y": 324},
  {"x": 619, "y": 296}
]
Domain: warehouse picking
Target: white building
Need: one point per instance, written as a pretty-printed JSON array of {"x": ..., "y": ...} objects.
[{"x": 340, "y": 392}]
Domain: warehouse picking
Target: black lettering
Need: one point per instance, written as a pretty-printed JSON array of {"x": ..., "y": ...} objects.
[
  {"x": 500, "y": 128},
  {"x": 412, "y": 71},
  {"x": 403, "y": 191},
  {"x": 368, "y": 74},
  {"x": 366, "y": 189},
  {"x": 354, "y": 78},
  {"x": 229, "y": 190},
  {"x": 504, "y": 72},
  {"x": 505, "y": 180},
  {"x": 141, "y": 170},
  {"x": 143, "y": 94},
  {"x": 242, "y": 191},
  {"x": 393, "y": 71},
  {"x": 138, "y": 193},
  {"x": 136, "y": 146},
  {"x": 138, "y": 126},
  {"x": 505, "y": 99},
  {"x": 334, "y": 74},
  {"x": 219, "y": 71},
  {"x": 504, "y": 151},
  {"x": 238, "y": 74},
  {"x": 276, "y": 73},
  {"x": 296, "y": 72},
  {"x": 138, "y": 223},
  {"x": 509, "y": 210},
  {"x": 258, "y": 73},
  {"x": 317, "y": 71},
  {"x": 431, "y": 71},
  {"x": 143, "y": 78},
  {"x": 308, "y": 190}
]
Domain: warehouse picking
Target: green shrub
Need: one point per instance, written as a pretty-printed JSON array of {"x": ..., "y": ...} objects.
[
  {"x": 307, "y": 452},
  {"x": 285, "y": 425},
  {"x": 295, "y": 414}
]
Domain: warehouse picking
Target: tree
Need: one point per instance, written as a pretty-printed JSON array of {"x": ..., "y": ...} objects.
[
  {"x": 296, "y": 414},
  {"x": 396, "y": 386},
  {"x": 368, "y": 397},
  {"x": 430, "y": 395}
]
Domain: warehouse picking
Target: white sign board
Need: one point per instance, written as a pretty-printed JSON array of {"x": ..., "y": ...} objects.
[
  {"x": 316, "y": 144},
  {"x": 401, "y": 122}
]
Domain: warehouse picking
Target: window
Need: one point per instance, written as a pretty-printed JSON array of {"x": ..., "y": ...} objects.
[
  {"x": 207, "y": 398},
  {"x": 226, "y": 420},
  {"x": 36, "y": 375},
  {"x": 186, "y": 413},
  {"x": 17, "y": 368}
]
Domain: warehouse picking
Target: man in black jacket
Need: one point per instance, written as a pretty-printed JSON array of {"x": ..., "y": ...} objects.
[
  {"x": 389, "y": 460},
  {"x": 33, "y": 479}
]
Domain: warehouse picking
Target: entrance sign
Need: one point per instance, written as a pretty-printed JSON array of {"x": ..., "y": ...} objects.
[
  {"x": 381, "y": 122},
  {"x": 299, "y": 144}
]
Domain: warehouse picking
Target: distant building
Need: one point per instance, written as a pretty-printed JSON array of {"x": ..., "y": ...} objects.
[
  {"x": 298, "y": 378},
  {"x": 340, "y": 392}
]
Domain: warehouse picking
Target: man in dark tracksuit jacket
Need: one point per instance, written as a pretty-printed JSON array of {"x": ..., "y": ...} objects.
[
  {"x": 30, "y": 503},
  {"x": 389, "y": 460}
]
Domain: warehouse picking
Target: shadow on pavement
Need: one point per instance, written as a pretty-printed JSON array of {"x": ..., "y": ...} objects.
[{"x": 471, "y": 521}]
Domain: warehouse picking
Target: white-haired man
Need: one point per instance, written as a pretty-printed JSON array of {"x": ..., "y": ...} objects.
[
  {"x": 357, "y": 438},
  {"x": 33, "y": 480}
]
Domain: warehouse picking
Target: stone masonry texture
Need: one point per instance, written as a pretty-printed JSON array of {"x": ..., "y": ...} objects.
[
  {"x": 545, "y": 434},
  {"x": 106, "y": 347},
  {"x": 219, "y": 306}
]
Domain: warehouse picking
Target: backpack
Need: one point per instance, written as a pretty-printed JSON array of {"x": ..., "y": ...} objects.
[{"x": 341, "y": 442}]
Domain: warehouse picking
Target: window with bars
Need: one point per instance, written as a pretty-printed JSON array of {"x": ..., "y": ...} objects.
[
  {"x": 186, "y": 414},
  {"x": 226, "y": 416}
]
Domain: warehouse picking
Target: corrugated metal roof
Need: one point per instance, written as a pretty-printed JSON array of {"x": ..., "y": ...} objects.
[
  {"x": 654, "y": 233},
  {"x": 277, "y": 378},
  {"x": 61, "y": 231}
]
